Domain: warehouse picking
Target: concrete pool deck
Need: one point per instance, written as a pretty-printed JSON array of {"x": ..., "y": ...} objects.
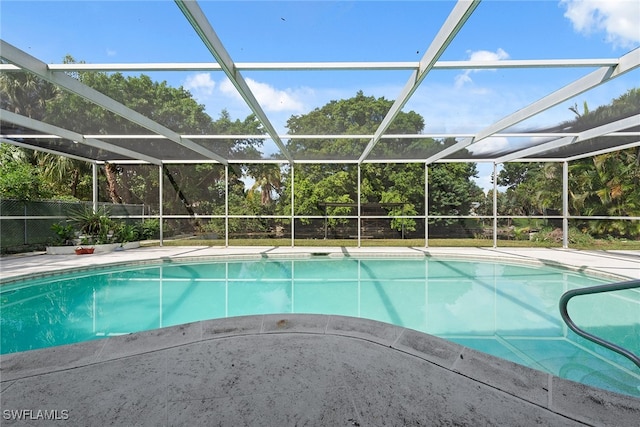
[
  {"x": 618, "y": 265},
  {"x": 293, "y": 369}
]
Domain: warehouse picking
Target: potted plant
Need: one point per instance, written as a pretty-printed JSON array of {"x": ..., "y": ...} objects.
[
  {"x": 95, "y": 232},
  {"x": 95, "y": 227},
  {"x": 84, "y": 250}
]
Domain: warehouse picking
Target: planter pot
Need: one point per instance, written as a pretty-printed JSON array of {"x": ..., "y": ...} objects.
[
  {"x": 83, "y": 251},
  {"x": 131, "y": 245},
  {"x": 110, "y": 247}
]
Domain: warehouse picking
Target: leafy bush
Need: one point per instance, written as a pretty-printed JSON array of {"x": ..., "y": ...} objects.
[
  {"x": 124, "y": 233},
  {"x": 555, "y": 235},
  {"x": 64, "y": 234},
  {"x": 579, "y": 238},
  {"x": 95, "y": 226},
  {"x": 150, "y": 229}
]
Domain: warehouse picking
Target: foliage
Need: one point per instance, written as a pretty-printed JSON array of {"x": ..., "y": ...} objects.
[
  {"x": 607, "y": 185},
  {"x": 532, "y": 188},
  {"x": 197, "y": 187},
  {"x": 150, "y": 229},
  {"x": 268, "y": 182},
  {"x": 174, "y": 108},
  {"x": 604, "y": 185},
  {"x": 603, "y": 244},
  {"x": 64, "y": 234},
  {"x": 123, "y": 233},
  {"x": 554, "y": 235},
  {"x": 451, "y": 190},
  {"x": 96, "y": 227},
  {"x": 450, "y": 186},
  {"x": 26, "y": 94},
  {"x": 21, "y": 181}
]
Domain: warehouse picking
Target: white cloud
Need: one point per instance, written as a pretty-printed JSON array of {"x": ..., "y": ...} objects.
[
  {"x": 485, "y": 55},
  {"x": 227, "y": 89},
  {"x": 270, "y": 98},
  {"x": 111, "y": 52},
  {"x": 273, "y": 99},
  {"x": 479, "y": 55},
  {"x": 491, "y": 145},
  {"x": 462, "y": 79},
  {"x": 465, "y": 111},
  {"x": 619, "y": 19},
  {"x": 200, "y": 85},
  {"x": 218, "y": 95}
]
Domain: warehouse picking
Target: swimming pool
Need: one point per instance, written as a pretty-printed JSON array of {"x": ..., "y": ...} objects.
[{"x": 510, "y": 311}]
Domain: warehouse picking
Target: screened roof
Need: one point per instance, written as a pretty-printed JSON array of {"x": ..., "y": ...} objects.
[{"x": 494, "y": 81}]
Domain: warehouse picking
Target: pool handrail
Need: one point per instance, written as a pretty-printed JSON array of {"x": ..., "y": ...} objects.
[{"x": 618, "y": 286}]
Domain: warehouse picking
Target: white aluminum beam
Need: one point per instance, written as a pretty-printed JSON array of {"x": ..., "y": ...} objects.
[
  {"x": 455, "y": 21},
  {"x": 30, "y": 123},
  {"x": 354, "y": 136},
  {"x": 604, "y": 151},
  {"x": 582, "y": 136},
  {"x": 327, "y": 66},
  {"x": 625, "y": 64},
  {"x": 5, "y": 140},
  {"x": 556, "y": 143},
  {"x": 203, "y": 28},
  {"x": 39, "y": 68}
]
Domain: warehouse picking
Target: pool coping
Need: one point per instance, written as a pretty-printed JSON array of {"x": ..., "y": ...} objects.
[
  {"x": 619, "y": 265},
  {"x": 521, "y": 385}
]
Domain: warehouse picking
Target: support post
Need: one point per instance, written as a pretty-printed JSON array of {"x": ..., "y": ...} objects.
[
  {"x": 161, "y": 201},
  {"x": 293, "y": 228},
  {"x": 426, "y": 205},
  {"x": 495, "y": 205},
  {"x": 226, "y": 206},
  {"x": 94, "y": 177},
  {"x": 565, "y": 204},
  {"x": 359, "y": 207}
]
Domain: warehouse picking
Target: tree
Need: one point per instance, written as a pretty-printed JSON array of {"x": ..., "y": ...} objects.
[
  {"x": 268, "y": 182},
  {"x": 532, "y": 188},
  {"x": 451, "y": 191},
  {"x": 607, "y": 184},
  {"x": 401, "y": 185},
  {"x": 26, "y": 94},
  {"x": 19, "y": 179},
  {"x": 602, "y": 185},
  {"x": 171, "y": 107},
  {"x": 175, "y": 109},
  {"x": 199, "y": 187}
]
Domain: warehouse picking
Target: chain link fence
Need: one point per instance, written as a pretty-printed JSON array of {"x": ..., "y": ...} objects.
[{"x": 26, "y": 225}]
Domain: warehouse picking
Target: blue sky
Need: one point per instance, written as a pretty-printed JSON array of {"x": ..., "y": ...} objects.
[{"x": 281, "y": 31}]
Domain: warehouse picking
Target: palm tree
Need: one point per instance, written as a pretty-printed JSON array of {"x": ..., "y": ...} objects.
[
  {"x": 26, "y": 94},
  {"x": 268, "y": 180},
  {"x": 63, "y": 171},
  {"x": 608, "y": 185}
]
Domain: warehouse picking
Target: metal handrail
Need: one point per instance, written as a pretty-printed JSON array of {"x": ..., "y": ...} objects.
[{"x": 619, "y": 286}]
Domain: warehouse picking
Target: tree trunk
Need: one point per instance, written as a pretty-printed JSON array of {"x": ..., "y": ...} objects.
[
  {"x": 74, "y": 182},
  {"x": 110, "y": 172}
]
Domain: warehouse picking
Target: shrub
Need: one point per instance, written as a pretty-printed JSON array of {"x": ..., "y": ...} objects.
[
  {"x": 64, "y": 234},
  {"x": 150, "y": 229}
]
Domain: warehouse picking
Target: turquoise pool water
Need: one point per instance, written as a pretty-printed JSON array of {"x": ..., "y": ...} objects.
[{"x": 510, "y": 311}]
